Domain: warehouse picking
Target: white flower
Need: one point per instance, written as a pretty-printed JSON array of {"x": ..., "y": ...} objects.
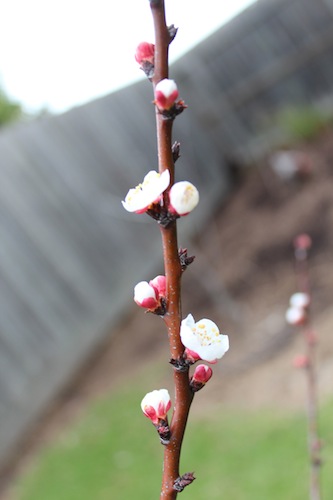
[
  {"x": 295, "y": 315},
  {"x": 140, "y": 198},
  {"x": 184, "y": 197},
  {"x": 166, "y": 93},
  {"x": 299, "y": 299},
  {"x": 203, "y": 338},
  {"x": 156, "y": 404},
  {"x": 145, "y": 295}
]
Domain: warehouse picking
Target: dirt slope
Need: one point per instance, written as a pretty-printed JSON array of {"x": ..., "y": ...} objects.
[{"x": 242, "y": 278}]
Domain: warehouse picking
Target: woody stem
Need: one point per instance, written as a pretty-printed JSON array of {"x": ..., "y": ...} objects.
[{"x": 173, "y": 272}]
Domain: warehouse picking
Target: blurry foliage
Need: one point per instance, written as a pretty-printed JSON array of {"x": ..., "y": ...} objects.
[
  {"x": 303, "y": 123},
  {"x": 10, "y": 111}
]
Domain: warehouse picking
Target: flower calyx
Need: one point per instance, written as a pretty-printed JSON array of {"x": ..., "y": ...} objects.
[
  {"x": 183, "y": 481},
  {"x": 162, "y": 216}
]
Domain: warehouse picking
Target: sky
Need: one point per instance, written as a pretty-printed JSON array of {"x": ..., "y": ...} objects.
[{"x": 57, "y": 54}]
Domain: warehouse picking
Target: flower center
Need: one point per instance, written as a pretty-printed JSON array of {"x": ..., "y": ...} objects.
[{"x": 207, "y": 336}]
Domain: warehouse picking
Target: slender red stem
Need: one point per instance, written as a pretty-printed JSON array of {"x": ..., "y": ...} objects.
[
  {"x": 312, "y": 403},
  {"x": 173, "y": 272}
]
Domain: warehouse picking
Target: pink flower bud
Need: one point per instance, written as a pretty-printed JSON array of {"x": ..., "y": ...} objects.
[
  {"x": 302, "y": 242},
  {"x": 301, "y": 361},
  {"x": 202, "y": 374},
  {"x": 166, "y": 93},
  {"x": 159, "y": 284},
  {"x": 145, "y": 53},
  {"x": 184, "y": 197},
  {"x": 156, "y": 404},
  {"x": 146, "y": 295}
]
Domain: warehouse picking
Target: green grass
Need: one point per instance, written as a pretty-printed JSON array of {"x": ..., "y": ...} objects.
[
  {"x": 113, "y": 453},
  {"x": 303, "y": 123}
]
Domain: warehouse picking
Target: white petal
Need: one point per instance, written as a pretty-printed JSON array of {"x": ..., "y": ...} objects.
[
  {"x": 166, "y": 86},
  {"x": 154, "y": 398},
  {"x": 294, "y": 315},
  {"x": 153, "y": 185},
  {"x": 143, "y": 291},
  {"x": 214, "y": 351},
  {"x": 203, "y": 338},
  {"x": 299, "y": 300},
  {"x": 184, "y": 197}
]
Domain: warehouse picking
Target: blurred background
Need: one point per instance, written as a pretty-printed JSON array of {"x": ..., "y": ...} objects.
[{"x": 77, "y": 355}]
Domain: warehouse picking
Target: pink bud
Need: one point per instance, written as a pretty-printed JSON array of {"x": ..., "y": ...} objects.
[
  {"x": 145, "y": 53},
  {"x": 301, "y": 361},
  {"x": 184, "y": 197},
  {"x": 146, "y": 296},
  {"x": 202, "y": 374},
  {"x": 166, "y": 93},
  {"x": 302, "y": 242},
  {"x": 156, "y": 404},
  {"x": 159, "y": 284}
]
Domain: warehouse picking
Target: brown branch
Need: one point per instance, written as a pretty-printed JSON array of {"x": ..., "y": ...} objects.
[
  {"x": 302, "y": 273},
  {"x": 173, "y": 271}
]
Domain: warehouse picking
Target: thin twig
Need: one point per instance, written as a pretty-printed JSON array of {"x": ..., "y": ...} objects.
[
  {"x": 173, "y": 272},
  {"x": 301, "y": 257}
]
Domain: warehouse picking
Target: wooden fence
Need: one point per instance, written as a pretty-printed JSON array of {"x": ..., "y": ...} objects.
[
  {"x": 276, "y": 54},
  {"x": 69, "y": 253}
]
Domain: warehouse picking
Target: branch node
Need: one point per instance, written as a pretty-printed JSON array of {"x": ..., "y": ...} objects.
[
  {"x": 173, "y": 112},
  {"x": 183, "y": 481},
  {"x": 148, "y": 69},
  {"x": 185, "y": 261},
  {"x": 172, "y": 32},
  {"x": 175, "y": 151},
  {"x": 161, "y": 215},
  {"x": 180, "y": 364},
  {"x": 163, "y": 430}
]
